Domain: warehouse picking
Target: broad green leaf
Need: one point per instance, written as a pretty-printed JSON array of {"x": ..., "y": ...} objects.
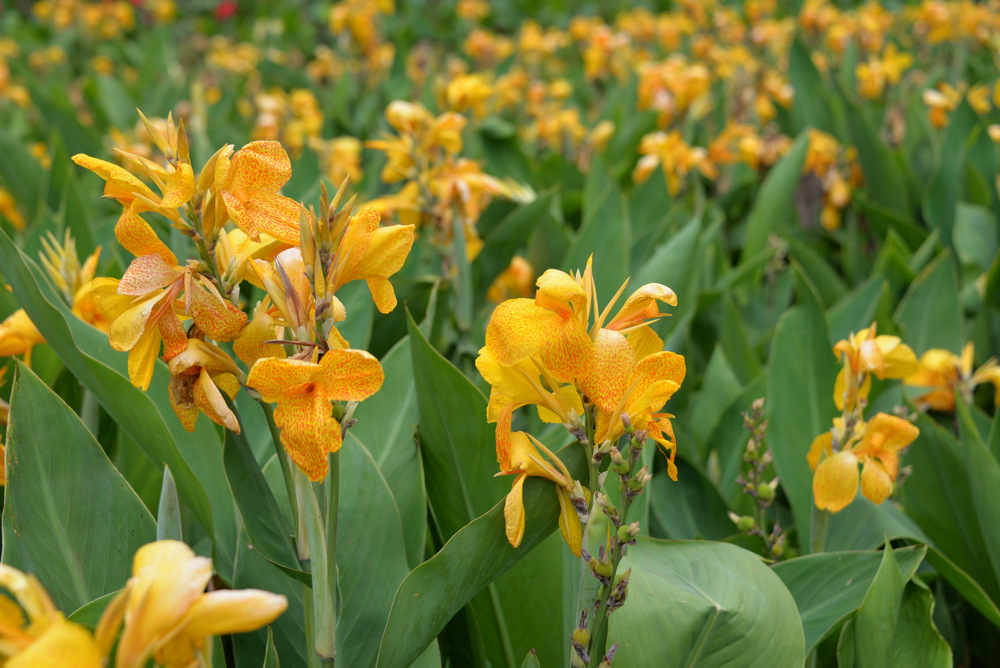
[
  {"x": 799, "y": 402},
  {"x": 944, "y": 192},
  {"x": 21, "y": 173},
  {"x": 970, "y": 590},
  {"x": 690, "y": 508},
  {"x": 812, "y": 263},
  {"x": 975, "y": 235},
  {"x": 604, "y": 233},
  {"x": 812, "y": 103},
  {"x": 863, "y": 525},
  {"x": 984, "y": 482},
  {"x": 437, "y": 589},
  {"x": 69, "y": 517},
  {"x": 266, "y": 526},
  {"x": 505, "y": 239},
  {"x": 168, "y": 514},
  {"x": 883, "y": 179},
  {"x": 831, "y": 585},
  {"x": 930, "y": 311},
  {"x": 875, "y": 622},
  {"x": 194, "y": 459},
  {"x": 856, "y": 310},
  {"x": 917, "y": 642},
  {"x": 271, "y": 651},
  {"x": 772, "y": 209},
  {"x": 719, "y": 387},
  {"x": 736, "y": 342},
  {"x": 938, "y": 496},
  {"x": 387, "y": 425},
  {"x": 531, "y": 660},
  {"x": 89, "y": 614},
  {"x": 704, "y": 604}
]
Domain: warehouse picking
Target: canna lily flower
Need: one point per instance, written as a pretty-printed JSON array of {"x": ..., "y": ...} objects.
[
  {"x": 33, "y": 634},
  {"x": 303, "y": 391},
  {"x": 865, "y": 353},
  {"x": 197, "y": 374},
  {"x": 525, "y": 460},
  {"x": 835, "y": 482},
  {"x": 943, "y": 373},
  {"x": 168, "y": 615},
  {"x": 249, "y": 183},
  {"x": 144, "y": 306},
  {"x": 18, "y": 335}
]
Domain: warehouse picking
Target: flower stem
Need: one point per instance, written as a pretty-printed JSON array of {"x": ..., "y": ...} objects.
[
  {"x": 332, "y": 510},
  {"x": 279, "y": 450},
  {"x": 817, "y": 538},
  {"x": 321, "y": 635}
]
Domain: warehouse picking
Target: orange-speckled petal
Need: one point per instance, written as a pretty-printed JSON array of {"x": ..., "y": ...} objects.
[
  {"x": 503, "y": 436},
  {"x": 273, "y": 215},
  {"x": 260, "y": 166},
  {"x": 886, "y": 433},
  {"x": 308, "y": 430},
  {"x": 249, "y": 346},
  {"x": 120, "y": 178},
  {"x": 142, "y": 358},
  {"x": 146, "y": 274},
  {"x": 518, "y": 329},
  {"x": 611, "y": 370},
  {"x": 175, "y": 339},
  {"x": 350, "y": 375},
  {"x": 218, "y": 318},
  {"x": 656, "y": 377},
  {"x": 835, "y": 483},
  {"x": 138, "y": 238},
  {"x": 569, "y": 353},
  {"x": 179, "y": 187},
  {"x": 876, "y": 484},
  {"x": 272, "y": 376},
  {"x": 513, "y": 511},
  {"x": 508, "y": 381},
  {"x": 642, "y": 305}
]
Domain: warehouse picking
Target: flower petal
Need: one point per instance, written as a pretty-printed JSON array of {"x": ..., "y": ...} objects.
[
  {"x": 228, "y": 611},
  {"x": 146, "y": 274},
  {"x": 64, "y": 645},
  {"x": 138, "y": 237},
  {"x": 350, "y": 375},
  {"x": 835, "y": 483},
  {"x": 513, "y": 511},
  {"x": 569, "y": 522},
  {"x": 876, "y": 484},
  {"x": 614, "y": 361},
  {"x": 272, "y": 376},
  {"x": 308, "y": 430}
]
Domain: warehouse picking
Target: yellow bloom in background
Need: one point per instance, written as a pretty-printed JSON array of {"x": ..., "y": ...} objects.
[
  {"x": 866, "y": 353},
  {"x": 33, "y": 634},
  {"x": 303, "y": 391},
  {"x": 835, "y": 482},
  {"x": 526, "y": 460},
  {"x": 675, "y": 156},
  {"x": 18, "y": 335},
  {"x": 516, "y": 280},
  {"x": 943, "y": 374},
  {"x": 167, "y": 614}
]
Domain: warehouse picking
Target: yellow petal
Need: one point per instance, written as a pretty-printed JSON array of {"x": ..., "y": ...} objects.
[
  {"x": 513, "y": 511},
  {"x": 888, "y": 433},
  {"x": 876, "y": 484},
  {"x": 179, "y": 187},
  {"x": 308, "y": 430},
  {"x": 138, "y": 238},
  {"x": 228, "y": 611},
  {"x": 559, "y": 289},
  {"x": 644, "y": 342},
  {"x": 822, "y": 444},
  {"x": 249, "y": 346},
  {"x": 610, "y": 372},
  {"x": 65, "y": 645},
  {"x": 272, "y": 376},
  {"x": 142, "y": 358},
  {"x": 569, "y": 522},
  {"x": 350, "y": 375},
  {"x": 113, "y": 174},
  {"x": 835, "y": 483},
  {"x": 642, "y": 305},
  {"x": 146, "y": 274}
]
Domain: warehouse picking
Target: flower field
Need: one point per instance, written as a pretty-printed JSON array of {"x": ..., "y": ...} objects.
[{"x": 461, "y": 333}]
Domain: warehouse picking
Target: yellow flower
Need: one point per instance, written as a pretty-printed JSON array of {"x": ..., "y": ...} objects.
[
  {"x": 944, "y": 373},
  {"x": 835, "y": 482},
  {"x": 33, "y": 634},
  {"x": 524, "y": 461},
  {"x": 249, "y": 182},
  {"x": 197, "y": 374},
  {"x": 18, "y": 335},
  {"x": 865, "y": 353},
  {"x": 168, "y": 615},
  {"x": 303, "y": 391}
]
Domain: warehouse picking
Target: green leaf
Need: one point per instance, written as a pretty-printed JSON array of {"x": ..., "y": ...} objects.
[
  {"x": 876, "y": 618},
  {"x": 938, "y": 496},
  {"x": 68, "y": 517},
  {"x": 505, "y": 239},
  {"x": 604, "y": 233},
  {"x": 856, "y": 310},
  {"x": 883, "y": 180},
  {"x": 89, "y": 614},
  {"x": 945, "y": 189},
  {"x": 970, "y": 590},
  {"x": 984, "y": 482},
  {"x": 21, "y": 173},
  {"x": 831, "y": 585},
  {"x": 704, "y": 604},
  {"x": 799, "y": 402},
  {"x": 772, "y": 208},
  {"x": 930, "y": 311},
  {"x": 437, "y": 589},
  {"x": 863, "y": 525},
  {"x": 146, "y": 417},
  {"x": 271, "y": 652},
  {"x": 531, "y": 660},
  {"x": 812, "y": 103},
  {"x": 917, "y": 642},
  {"x": 266, "y": 526},
  {"x": 387, "y": 423},
  {"x": 168, "y": 515},
  {"x": 975, "y": 235}
]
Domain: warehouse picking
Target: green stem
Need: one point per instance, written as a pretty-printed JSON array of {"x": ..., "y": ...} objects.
[
  {"x": 817, "y": 538},
  {"x": 90, "y": 412},
  {"x": 321, "y": 634},
  {"x": 332, "y": 511},
  {"x": 286, "y": 471}
]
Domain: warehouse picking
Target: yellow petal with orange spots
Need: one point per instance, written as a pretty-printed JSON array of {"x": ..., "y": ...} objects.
[
  {"x": 272, "y": 376},
  {"x": 218, "y": 318},
  {"x": 822, "y": 444},
  {"x": 886, "y": 433},
  {"x": 142, "y": 358},
  {"x": 250, "y": 345},
  {"x": 308, "y": 430},
  {"x": 519, "y": 329},
  {"x": 138, "y": 238},
  {"x": 146, "y": 274},
  {"x": 208, "y": 399},
  {"x": 350, "y": 375},
  {"x": 559, "y": 289},
  {"x": 611, "y": 370},
  {"x": 179, "y": 187},
  {"x": 386, "y": 254},
  {"x": 120, "y": 178},
  {"x": 835, "y": 483},
  {"x": 642, "y": 305}
]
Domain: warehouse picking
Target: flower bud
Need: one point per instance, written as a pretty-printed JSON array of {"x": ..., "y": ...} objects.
[
  {"x": 765, "y": 492},
  {"x": 618, "y": 463}
]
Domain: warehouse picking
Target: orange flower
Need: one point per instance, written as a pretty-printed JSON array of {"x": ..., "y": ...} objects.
[
  {"x": 835, "y": 483},
  {"x": 865, "y": 353},
  {"x": 196, "y": 376},
  {"x": 249, "y": 183},
  {"x": 18, "y": 335},
  {"x": 525, "y": 460},
  {"x": 303, "y": 391}
]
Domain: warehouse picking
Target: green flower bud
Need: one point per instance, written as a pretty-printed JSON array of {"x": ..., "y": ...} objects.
[{"x": 765, "y": 492}]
